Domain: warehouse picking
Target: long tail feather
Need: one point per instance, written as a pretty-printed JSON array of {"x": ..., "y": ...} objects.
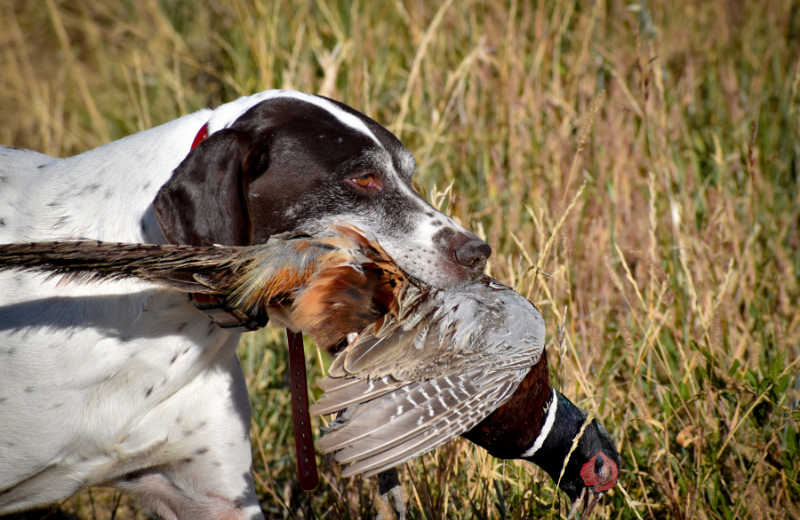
[
  {"x": 328, "y": 286},
  {"x": 185, "y": 267}
]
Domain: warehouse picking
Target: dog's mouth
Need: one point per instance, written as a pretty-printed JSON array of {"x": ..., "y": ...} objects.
[
  {"x": 451, "y": 257},
  {"x": 448, "y": 257},
  {"x": 439, "y": 268}
]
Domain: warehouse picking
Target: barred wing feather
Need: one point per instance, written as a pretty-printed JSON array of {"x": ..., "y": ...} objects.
[
  {"x": 414, "y": 419},
  {"x": 417, "y": 383}
]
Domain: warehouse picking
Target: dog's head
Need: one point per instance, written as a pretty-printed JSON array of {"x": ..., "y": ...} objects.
[{"x": 281, "y": 161}]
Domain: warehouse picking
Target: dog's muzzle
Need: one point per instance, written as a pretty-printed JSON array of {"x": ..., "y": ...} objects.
[{"x": 473, "y": 254}]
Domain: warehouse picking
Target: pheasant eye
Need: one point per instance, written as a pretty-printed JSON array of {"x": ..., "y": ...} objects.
[{"x": 598, "y": 464}]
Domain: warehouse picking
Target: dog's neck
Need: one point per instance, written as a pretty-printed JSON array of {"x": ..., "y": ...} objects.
[{"x": 123, "y": 173}]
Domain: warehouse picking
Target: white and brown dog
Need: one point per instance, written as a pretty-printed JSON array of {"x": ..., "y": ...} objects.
[{"x": 129, "y": 385}]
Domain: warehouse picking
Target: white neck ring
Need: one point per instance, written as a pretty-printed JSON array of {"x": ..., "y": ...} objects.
[{"x": 548, "y": 425}]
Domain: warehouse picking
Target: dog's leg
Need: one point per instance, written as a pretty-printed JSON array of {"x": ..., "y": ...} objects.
[
  {"x": 206, "y": 472},
  {"x": 391, "y": 496}
]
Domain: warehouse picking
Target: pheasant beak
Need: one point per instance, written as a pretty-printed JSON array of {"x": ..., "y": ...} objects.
[
  {"x": 588, "y": 498},
  {"x": 599, "y": 474}
]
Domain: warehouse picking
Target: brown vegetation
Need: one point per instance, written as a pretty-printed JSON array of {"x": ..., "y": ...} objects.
[{"x": 657, "y": 221}]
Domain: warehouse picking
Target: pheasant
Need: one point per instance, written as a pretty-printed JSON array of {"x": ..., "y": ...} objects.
[
  {"x": 468, "y": 361},
  {"x": 426, "y": 366}
]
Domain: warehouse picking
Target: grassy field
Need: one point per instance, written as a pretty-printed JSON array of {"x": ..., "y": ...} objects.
[{"x": 635, "y": 167}]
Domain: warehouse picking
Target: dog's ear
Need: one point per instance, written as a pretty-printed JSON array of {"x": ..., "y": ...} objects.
[{"x": 205, "y": 201}]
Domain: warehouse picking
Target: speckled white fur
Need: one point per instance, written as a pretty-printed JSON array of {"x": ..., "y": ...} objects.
[
  {"x": 124, "y": 383},
  {"x": 114, "y": 383}
]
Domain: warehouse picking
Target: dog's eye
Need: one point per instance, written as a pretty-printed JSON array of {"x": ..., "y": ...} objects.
[{"x": 368, "y": 180}]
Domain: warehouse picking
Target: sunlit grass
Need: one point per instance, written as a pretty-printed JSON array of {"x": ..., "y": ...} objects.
[{"x": 675, "y": 273}]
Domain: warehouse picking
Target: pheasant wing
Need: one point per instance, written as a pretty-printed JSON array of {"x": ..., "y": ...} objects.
[
  {"x": 415, "y": 418},
  {"x": 420, "y": 382}
]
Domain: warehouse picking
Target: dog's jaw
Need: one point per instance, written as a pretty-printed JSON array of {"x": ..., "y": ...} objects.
[{"x": 428, "y": 252}]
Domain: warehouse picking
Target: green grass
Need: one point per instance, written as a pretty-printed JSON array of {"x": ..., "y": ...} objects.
[{"x": 675, "y": 272}]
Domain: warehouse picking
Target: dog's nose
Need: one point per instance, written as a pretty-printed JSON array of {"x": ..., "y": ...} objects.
[{"x": 473, "y": 254}]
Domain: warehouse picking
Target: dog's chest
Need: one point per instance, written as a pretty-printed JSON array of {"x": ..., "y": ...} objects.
[{"x": 102, "y": 363}]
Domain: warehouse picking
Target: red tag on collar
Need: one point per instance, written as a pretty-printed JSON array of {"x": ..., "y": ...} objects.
[{"x": 202, "y": 134}]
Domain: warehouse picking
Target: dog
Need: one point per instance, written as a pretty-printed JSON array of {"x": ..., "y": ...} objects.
[{"x": 126, "y": 384}]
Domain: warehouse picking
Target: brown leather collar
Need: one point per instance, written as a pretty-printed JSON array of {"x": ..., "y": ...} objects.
[{"x": 231, "y": 319}]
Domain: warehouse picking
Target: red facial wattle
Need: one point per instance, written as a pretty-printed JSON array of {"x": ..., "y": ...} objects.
[{"x": 600, "y": 474}]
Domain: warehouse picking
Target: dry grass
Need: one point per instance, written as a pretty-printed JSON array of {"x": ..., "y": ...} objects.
[{"x": 675, "y": 273}]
